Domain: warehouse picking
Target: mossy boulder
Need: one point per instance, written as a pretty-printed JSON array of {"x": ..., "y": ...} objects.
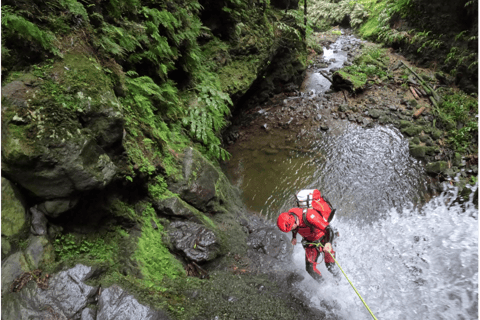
[
  {"x": 418, "y": 151},
  {"x": 411, "y": 130},
  {"x": 14, "y": 217},
  {"x": 342, "y": 80},
  {"x": 202, "y": 185},
  {"x": 69, "y": 118},
  {"x": 436, "y": 167},
  {"x": 39, "y": 252},
  {"x": 12, "y": 267},
  {"x": 375, "y": 113}
]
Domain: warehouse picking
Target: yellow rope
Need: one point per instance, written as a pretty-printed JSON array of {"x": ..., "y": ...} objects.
[{"x": 364, "y": 303}]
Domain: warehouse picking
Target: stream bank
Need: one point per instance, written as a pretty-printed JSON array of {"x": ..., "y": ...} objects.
[{"x": 387, "y": 100}]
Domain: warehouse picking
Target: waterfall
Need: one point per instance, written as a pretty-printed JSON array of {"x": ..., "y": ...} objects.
[{"x": 417, "y": 263}]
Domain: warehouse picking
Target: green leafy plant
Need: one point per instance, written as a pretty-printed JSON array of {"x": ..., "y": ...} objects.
[
  {"x": 68, "y": 246},
  {"x": 15, "y": 26}
]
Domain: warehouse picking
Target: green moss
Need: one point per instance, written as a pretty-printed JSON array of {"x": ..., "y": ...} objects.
[
  {"x": 13, "y": 213},
  {"x": 154, "y": 259},
  {"x": 358, "y": 80},
  {"x": 238, "y": 76}
]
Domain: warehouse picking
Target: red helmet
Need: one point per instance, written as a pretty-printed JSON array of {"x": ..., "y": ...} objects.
[{"x": 285, "y": 221}]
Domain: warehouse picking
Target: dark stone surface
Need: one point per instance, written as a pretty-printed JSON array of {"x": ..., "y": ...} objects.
[
  {"x": 174, "y": 206},
  {"x": 195, "y": 241},
  {"x": 39, "y": 222},
  {"x": 65, "y": 297},
  {"x": 199, "y": 178},
  {"x": 115, "y": 304}
]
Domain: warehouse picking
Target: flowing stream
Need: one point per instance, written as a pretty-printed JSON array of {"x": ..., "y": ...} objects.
[{"x": 409, "y": 255}]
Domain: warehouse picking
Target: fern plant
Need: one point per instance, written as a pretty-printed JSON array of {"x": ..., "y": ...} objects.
[
  {"x": 206, "y": 116},
  {"x": 15, "y": 26}
]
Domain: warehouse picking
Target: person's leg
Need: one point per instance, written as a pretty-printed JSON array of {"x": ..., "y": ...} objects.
[
  {"x": 311, "y": 257},
  {"x": 330, "y": 263}
]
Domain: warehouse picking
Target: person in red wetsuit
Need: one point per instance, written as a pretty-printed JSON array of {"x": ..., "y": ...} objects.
[{"x": 312, "y": 223}]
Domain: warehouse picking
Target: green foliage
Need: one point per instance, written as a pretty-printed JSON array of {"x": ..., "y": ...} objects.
[
  {"x": 155, "y": 261},
  {"x": 75, "y": 8},
  {"x": 158, "y": 187},
  {"x": 206, "y": 116},
  {"x": 68, "y": 246},
  {"x": 16, "y": 27},
  {"x": 366, "y": 66},
  {"x": 457, "y": 114}
]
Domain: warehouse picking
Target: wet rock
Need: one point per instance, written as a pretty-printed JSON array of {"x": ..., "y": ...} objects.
[
  {"x": 199, "y": 178},
  {"x": 175, "y": 207},
  {"x": 411, "y": 130},
  {"x": 195, "y": 241},
  {"x": 107, "y": 124},
  {"x": 88, "y": 314},
  {"x": 417, "y": 151},
  {"x": 65, "y": 297},
  {"x": 39, "y": 222},
  {"x": 6, "y": 247},
  {"x": 57, "y": 172},
  {"x": 15, "y": 92},
  {"x": 115, "y": 303},
  {"x": 54, "y": 208},
  {"x": 39, "y": 251},
  {"x": 269, "y": 248},
  {"x": 14, "y": 217},
  {"x": 375, "y": 113},
  {"x": 436, "y": 167},
  {"x": 12, "y": 267}
]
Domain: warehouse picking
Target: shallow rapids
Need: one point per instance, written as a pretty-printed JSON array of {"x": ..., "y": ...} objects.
[{"x": 411, "y": 264}]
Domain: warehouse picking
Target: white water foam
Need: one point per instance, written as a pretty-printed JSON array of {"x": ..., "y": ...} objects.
[{"x": 414, "y": 264}]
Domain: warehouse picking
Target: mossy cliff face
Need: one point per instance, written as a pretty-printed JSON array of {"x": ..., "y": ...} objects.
[{"x": 111, "y": 115}]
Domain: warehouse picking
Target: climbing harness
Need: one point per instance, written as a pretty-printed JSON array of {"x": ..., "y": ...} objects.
[{"x": 364, "y": 303}]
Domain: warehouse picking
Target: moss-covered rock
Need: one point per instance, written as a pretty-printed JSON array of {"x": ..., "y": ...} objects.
[
  {"x": 436, "y": 167},
  {"x": 14, "y": 216},
  {"x": 418, "y": 151},
  {"x": 411, "y": 130},
  {"x": 56, "y": 150},
  {"x": 39, "y": 252},
  {"x": 12, "y": 267}
]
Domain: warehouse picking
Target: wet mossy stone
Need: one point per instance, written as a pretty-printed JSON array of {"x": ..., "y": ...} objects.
[
  {"x": 199, "y": 176},
  {"x": 457, "y": 160},
  {"x": 404, "y": 124},
  {"x": 39, "y": 252},
  {"x": 116, "y": 303},
  {"x": 14, "y": 216},
  {"x": 411, "y": 130},
  {"x": 432, "y": 150},
  {"x": 176, "y": 207},
  {"x": 202, "y": 185},
  {"x": 12, "y": 267},
  {"x": 417, "y": 151},
  {"x": 54, "y": 208},
  {"x": 196, "y": 242},
  {"x": 375, "y": 113},
  {"x": 436, "y": 133},
  {"x": 73, "y": 167},
  {"x": 67, "y": 295},
  {"x": 436, "y": 167},
  {"x": 53, "y": 154}
]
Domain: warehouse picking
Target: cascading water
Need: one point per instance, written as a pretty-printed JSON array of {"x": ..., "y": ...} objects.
[{"x": 412, "y": 264}]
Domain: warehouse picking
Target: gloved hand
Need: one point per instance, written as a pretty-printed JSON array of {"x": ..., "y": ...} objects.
[{"x": 328, "y": 247}]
